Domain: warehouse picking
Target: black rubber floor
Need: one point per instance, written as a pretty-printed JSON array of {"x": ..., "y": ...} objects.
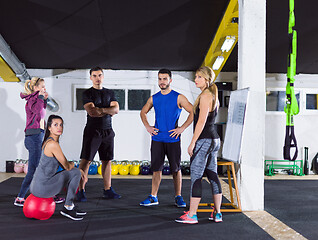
[
  {"x": 123, "y": 218},
  {"x": 294, "y": 202}
]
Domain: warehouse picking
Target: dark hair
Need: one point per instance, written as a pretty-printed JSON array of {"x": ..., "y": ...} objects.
[
  {"x": 95, "y": 69},
  {"x": 48, "y": 124},
  {"x": 165, "y": 71}
]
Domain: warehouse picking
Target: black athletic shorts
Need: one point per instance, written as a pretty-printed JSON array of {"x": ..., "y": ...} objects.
[
  {"x": 161, "y": 149},
  {"x": 101, "y": 140}
]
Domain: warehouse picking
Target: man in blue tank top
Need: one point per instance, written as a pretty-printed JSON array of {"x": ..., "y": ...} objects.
[{"x": 166, "y": 135}]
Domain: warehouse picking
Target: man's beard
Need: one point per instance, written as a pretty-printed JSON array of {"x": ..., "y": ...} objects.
[{"x": 164, "y": 88}]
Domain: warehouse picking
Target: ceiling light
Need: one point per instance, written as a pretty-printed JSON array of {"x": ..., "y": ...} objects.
[
  {"x": 218, "y": 62},
  {"x": 228, "y": 43}
]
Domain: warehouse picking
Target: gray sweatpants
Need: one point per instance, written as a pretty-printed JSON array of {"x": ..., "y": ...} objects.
[
  {"x": 204, "y": 160},
  {"x": 52, "y": 186}
]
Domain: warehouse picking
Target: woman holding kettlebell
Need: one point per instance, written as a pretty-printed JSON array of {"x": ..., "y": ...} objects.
[{"x": 36, "y": 97}]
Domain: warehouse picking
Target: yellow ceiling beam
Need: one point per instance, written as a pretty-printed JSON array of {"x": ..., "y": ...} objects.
[
  {"x": 227, "y": 27},
  {"x": 6, "y": 73}
]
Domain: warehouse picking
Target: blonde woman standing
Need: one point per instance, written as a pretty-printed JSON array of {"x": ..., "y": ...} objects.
[
  {"x": 36, "y": 97},
  {"x": 204, "y": 147}
]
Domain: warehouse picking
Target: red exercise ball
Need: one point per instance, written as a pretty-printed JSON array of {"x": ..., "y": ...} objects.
[{"x": 38, "y": 208}]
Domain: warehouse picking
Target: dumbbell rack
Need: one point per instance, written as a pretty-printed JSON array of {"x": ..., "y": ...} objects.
[{"x": 235, "y": 208}]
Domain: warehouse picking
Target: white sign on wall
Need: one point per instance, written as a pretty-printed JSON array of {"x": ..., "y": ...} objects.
[{"x": 235, "y": 125}]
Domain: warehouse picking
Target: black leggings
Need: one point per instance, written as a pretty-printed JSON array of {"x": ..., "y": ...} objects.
[{"x": 204, "y": 160}]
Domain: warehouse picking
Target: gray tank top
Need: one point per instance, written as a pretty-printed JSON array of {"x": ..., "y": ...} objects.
[{"x": 47, "y": 167}]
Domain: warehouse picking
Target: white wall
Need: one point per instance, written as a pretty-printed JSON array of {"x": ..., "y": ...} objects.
[
  {"x": 132, "y": 140},
  {"x": 12, "y": 122}
]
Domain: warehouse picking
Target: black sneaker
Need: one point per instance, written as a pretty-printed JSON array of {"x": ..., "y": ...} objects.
[
  {"x": 79, "y": 211},
  {"x": 58, "y": 199},
  {"x": 72, "y": 214},
  {"x": 18, "y": 202},
  {"x": 81, "y": 196},
  {"x": 110, "y": 194}
]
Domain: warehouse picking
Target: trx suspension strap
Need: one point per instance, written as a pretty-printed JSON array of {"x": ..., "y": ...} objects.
[{"x": 291, "y": 107}]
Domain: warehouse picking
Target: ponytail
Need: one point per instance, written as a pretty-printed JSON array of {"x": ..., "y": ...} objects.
[
  {"x": 214, "y": 91},
  {"x": 27, "y": 87},
  {"x": 208, "y": 74},
  {"x": 30, "y": 84}
]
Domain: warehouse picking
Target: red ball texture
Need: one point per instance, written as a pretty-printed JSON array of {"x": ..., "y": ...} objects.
[{"x": 38, "y": 208}]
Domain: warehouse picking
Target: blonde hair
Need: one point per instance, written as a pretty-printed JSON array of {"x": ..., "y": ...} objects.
[
  {"x": 208, "y": 74},
  {"x": 30, "y": 84}
]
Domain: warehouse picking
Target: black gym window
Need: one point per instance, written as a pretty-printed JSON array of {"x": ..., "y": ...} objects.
[
  {"x": 128, "y": 99},
  {"x": 311, "y": 101},
  {"x": 276, "y": 100},
  {"x": 79, "y": 98},
  {"x": 119, "y": 93},
  {"x": 120, "y": 96},
  {"x": 137, "y": 98}
]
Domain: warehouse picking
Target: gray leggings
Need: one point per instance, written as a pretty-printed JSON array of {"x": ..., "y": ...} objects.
[
  {"x": 55, "y": 184},
  {"x": 204, "y": 160}
]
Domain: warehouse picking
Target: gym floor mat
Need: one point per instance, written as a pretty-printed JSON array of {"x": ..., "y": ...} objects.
[
  {"x": 294, "y": 202},
  {"x": 123, "y": 218}
]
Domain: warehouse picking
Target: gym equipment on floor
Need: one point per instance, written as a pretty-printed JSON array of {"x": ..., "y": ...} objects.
[
  {"x": 291, "y": 107},
  {"x": 135, "y": 168},
  {"x": 38, "y": 208},
  {"x": 235, "y": 206},
  {"x": 114, "y": 167},
  {"x": 295, "y": 167}
]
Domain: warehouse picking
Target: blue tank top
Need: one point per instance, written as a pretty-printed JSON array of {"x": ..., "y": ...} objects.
[{"x": 167, "y": 114}]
